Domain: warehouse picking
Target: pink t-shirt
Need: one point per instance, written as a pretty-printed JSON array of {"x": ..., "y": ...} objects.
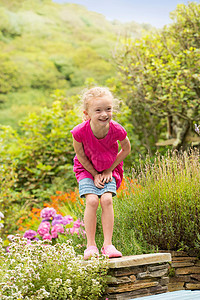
[{"x": 100, "y": 152}]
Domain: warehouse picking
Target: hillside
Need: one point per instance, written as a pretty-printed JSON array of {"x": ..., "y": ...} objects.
[{"x": 47, "y": 46}]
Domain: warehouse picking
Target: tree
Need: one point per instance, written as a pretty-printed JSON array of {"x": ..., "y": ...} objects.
[{"x": 160, "y": 74}]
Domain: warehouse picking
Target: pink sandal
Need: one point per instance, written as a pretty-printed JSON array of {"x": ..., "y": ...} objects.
[
  {"x": 91, "y": 251},
  {"x": 111, "y": 251}
]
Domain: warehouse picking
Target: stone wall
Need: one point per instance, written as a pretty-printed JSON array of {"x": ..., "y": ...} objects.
[
  {"x": 137, "y": 276},
  {"x": 184, "y": 272}
]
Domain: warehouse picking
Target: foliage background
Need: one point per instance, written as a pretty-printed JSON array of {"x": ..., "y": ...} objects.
[
  {"x": 49, "y": 52},
  {"x": 47, "y": 46}
]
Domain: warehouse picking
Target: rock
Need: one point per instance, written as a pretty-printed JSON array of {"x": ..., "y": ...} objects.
[
  {"x": 164, "y": 281},
  {"x": 128, "y": 295},
  {"x": 182, "y": 264},
  {"x": 158, "y": 273},
  {"x": 187, "y": 270},
  {"x": 133, "y": 278},
  {"x": 183, "y": 278},
  {"x": 195, "y": 277},
  {"x": 127, "y": 271},
  {"x": 184, "y": 258},
  {"x": 139, "y": 260},
  {"x": 158, "y": 289},
  {"x": 158, "y": 267},
  {"x": 130, "y": 287},
  {"x": 119, "y": 280},
  {"x": 192, "y": 286},
  {"x": 176, "y": 286}
]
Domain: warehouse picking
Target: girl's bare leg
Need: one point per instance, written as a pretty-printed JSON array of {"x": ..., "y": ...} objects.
[
  {"x": 90, "y": 220},
  {"x": 107, "y": 218}
]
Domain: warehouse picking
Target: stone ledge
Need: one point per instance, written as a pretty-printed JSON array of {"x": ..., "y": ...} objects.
[{"x": 139, "y": 260}]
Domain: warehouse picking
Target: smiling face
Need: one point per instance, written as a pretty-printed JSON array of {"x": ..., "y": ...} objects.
[{"x": 100, "y": 111}]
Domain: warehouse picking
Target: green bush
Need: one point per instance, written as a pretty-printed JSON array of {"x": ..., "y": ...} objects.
[
  {"x": 37, "y": 271},
  {"x": 44, "y": 149},
  {"x": 10, "y": 200},
  {"x": 165, "y": 208},
  {"x": 10, "y": 25},
  {"x": 10, "y": 79}
]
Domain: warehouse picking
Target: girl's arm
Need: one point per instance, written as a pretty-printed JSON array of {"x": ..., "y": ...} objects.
[
  {"x": 82, "y": 158},
  {"x": 106, "y": 175}
]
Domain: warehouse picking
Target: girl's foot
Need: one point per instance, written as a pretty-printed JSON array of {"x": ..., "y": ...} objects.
[
  {"x": 91, "y": 251},
  {"x": 110, "y": 251}
]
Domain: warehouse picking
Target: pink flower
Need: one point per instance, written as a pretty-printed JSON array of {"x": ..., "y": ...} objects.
[
  {"x": 55, "y": 229},
  {"x": 47, "y": 236},
  {"x": 67, "y": 220},
  {"x": 43, "y": 228},
  {"x": 54, "y": 234},
  {"x": 77, "y": 223},
  {"x": 74, "y": 230},
  {"x": 48, "y": 213}
]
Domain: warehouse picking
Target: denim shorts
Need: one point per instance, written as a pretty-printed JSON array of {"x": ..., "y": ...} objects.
[{"x": 86, "y": 186}]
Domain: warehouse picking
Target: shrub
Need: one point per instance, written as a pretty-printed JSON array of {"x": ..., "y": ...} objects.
[
  {"x": 11, "y": 78},
  {"x": 43, "y": 271},
  {"x": 44, "y": 149},
  {"x": 166, "y": 210},
  {"x": 8, "y": 198}
]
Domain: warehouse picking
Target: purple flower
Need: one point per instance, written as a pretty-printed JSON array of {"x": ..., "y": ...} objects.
[
  {"x": 30, "y": 234},
  {"x": 43, "y": 228},
  {"x": 57, "y": 220},
  {"x": 35, "y": 239},
  {"x": 58, "y": 217},
  {"x": 67, "y": 220},
  {"x": 48, "y": 213},
  {"x": 54, "y": 222}
]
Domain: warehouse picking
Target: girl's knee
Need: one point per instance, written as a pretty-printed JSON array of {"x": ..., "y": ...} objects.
[
  {"x": 106, "y": 200},
  {"x": 92, "y": 201}
]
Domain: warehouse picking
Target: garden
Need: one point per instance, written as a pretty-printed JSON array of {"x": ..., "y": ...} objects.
[{"x": 157, "y": 206}]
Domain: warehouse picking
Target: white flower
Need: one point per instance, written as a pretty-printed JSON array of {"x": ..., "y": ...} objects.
[{"x": 197, "y": 128}]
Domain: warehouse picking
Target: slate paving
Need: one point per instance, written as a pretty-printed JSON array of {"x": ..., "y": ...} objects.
[{"x": 178, "y": 295}]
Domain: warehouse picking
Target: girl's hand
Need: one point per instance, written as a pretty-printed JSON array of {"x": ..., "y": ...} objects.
[
  {"x": 98, "y": 181},
  {"x": 106, "y": 176}
]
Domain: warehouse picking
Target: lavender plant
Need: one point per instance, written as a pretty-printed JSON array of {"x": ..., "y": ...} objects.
[
  {"x": 45, "y": 271},
  {"x": 165, "y": 208}
]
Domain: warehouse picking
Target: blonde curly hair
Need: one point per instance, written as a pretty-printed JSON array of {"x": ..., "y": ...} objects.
[{"x": 96, "y": 92}]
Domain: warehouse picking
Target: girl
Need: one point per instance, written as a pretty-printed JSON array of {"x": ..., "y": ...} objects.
[{"x": 98, "y": 165}]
